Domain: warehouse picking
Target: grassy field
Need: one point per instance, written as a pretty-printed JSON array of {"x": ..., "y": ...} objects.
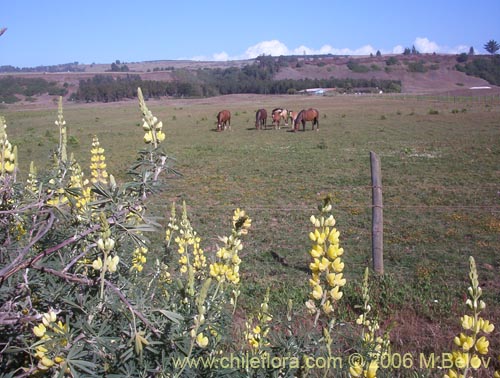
[{"x": 441, "y": 185}]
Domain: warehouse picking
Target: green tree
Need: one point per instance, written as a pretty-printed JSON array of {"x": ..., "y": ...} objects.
[
  {"x": 492, "y": 46},
  {"x": 471, "y": 51}
]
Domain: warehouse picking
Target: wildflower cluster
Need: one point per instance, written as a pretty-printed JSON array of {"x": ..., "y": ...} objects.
[
  {"x": 62, "y": 155},
  {"x": 32, "y": 181},
  {"x": 227, "y": 267},
  {"x": 150, "y": 124},
  {"x": 188, "y": 238},
  {"x": 327, "y": 266},
  {"x": 7, "y": 152},
  {"x": 82, "y": 191},
  {"x": 373, "y": 343},
  {"x": 53, "y": 337},
  {"x": 139, "y": 258},
  {"x": 472, "y": 342},
  {"x": 256, "y": 335},
  {"x": 97, "y": 163}
]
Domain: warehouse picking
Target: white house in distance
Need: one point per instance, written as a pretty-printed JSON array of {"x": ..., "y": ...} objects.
[{"x": 316, "y": 91}]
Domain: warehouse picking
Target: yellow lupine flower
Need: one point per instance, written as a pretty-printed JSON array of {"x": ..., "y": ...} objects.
[
  {"x": 336, "y": 279},
  {"x": 317, "y": 251},
  {"x": 97, "y": 264},
  {"x": 475, "y": 362},
  {"x": 201, "y": 340},
  {"x": 451, "y": 374},
  {"x": 39, "y": 330},
  {"x": 356, "y": 370},
  {"x": 334, "y": 251},
  {"x": 317, "y": 293},
  {"x": 372, "y": 369},
  {"x": 337, "y": 265},
  {"x": 333, "y": 237},
  {"x": 335, "y": 293},
  {"x": 486, "y": 326},
  {"x": 467, "y": 322},
  {"x": 47, "y": 362},
  {"x": 49, "y": 317},
  {"x": 112, "y": 263},
  {"x": 327, "y": 307},
  {"x": 464, "y": 341},
  {"x": 482, "y": 345}
]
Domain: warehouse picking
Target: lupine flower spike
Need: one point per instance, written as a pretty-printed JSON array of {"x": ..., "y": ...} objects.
[{"x": 472, "y": 343}]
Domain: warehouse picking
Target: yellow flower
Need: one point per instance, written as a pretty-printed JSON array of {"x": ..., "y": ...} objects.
[
  {"x": 323, "y": 265},
  {"x": 327, "y": 307},
  {"x": 97, "y": 264},
  {"x": 334, "y": 251},
  {"x": 335, "y": 293},
  {"x": 464, "y": 341},
  {"x": 160, "y": 136},
  {"x": 47, "y": 362},
  {"x": 201, "y": 340},
  {"x": 334, "y": 236},
  {"x": 311, "y": 306},
  {"x": 336, "y": 279},
  {"x": 467, "y": 322},
  {"x": 330, "y": 221},
  {"x": 461, "y": 359},
  {"x": 148, "y": 137},
  {"x": 372, "y": 369},
  {"x": 475, "y": 362},
  {"x": 39, "y": 330},
  {"x": 482, "y": 345},
  {"x": 112, "y": 263},
  {"x": 317, "y": 293},
  {"x": 356, "y": 370},
  {"x": 316, "y": 251},
  {"x": 451, "y": 374},
  {"x": 49, "y": 317},
  {"x": 337, "y": 265},
  {"x": 486, "y": 326}
]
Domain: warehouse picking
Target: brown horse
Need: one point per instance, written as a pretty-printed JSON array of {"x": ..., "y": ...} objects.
[
  {"x": 223, "y": 120},
  {"x": 304, "y": 116},
  {"x": 261, "y": 119},
  {"x": 293, "y": 116},
  {"x": 278, "y": 114}
]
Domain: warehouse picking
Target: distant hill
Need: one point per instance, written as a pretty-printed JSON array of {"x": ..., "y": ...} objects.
[{"x": 417, "y": 74}]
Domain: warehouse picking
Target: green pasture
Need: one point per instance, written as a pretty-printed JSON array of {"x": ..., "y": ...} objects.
[{"x": 440, "y": 171}]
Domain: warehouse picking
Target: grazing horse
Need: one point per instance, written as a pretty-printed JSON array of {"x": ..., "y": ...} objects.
[
  {"x": 223, "y": 119},
  {"x": 293, "y": 116},
  {"x": 304, "y": 116},
  {"x": 261, "y": 119},
  {"x": 278, "y": 114}
]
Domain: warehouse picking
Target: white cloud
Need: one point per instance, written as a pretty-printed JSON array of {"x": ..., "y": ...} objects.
[
  {"x": 425, "y": 46},
  {"x": 398, "y": 49},
  {"x": 275, "y": 47},
  {"x": 222, "y": 56}
]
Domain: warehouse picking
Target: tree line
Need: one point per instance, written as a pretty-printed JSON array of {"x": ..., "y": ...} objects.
[
  {"x": 255, "y": 78},
  {"x": 11, "y": 87}
]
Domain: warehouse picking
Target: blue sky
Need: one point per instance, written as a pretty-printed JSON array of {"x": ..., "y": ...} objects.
[{"x": 54, "y": 32}]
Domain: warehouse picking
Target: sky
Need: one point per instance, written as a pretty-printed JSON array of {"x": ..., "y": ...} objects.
[{"x": 56, "y": 32}]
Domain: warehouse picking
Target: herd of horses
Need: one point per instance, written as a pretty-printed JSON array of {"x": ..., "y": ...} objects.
[{"x": 278, "y": 114}]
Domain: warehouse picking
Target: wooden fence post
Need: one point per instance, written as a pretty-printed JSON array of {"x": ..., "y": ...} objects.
[{"x": 377, "y": 215}]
